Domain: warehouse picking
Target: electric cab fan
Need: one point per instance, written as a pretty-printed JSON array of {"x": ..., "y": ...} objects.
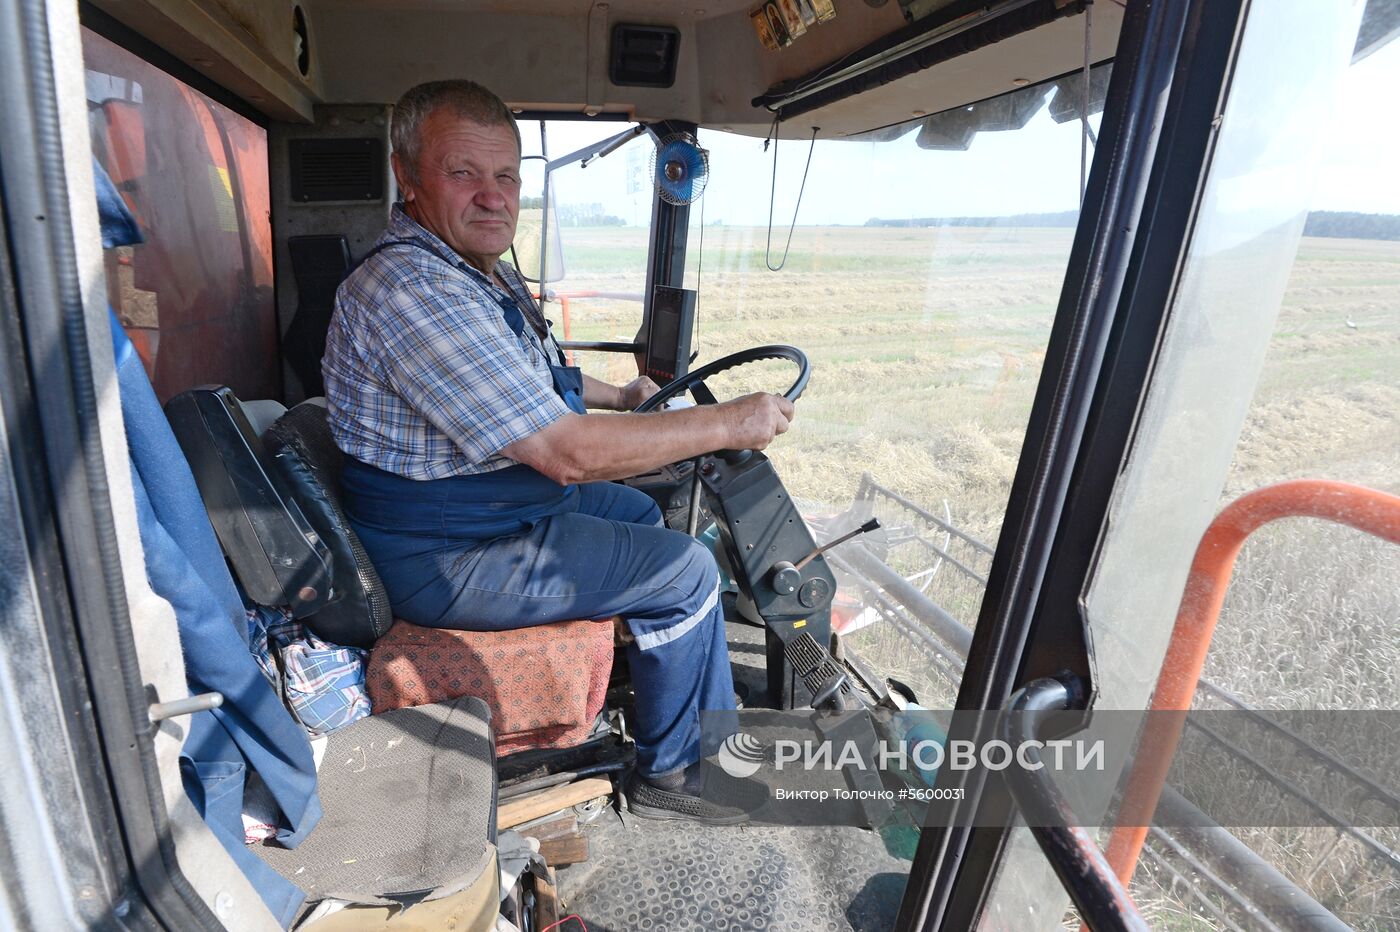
[{"x": 681, "y": 169}]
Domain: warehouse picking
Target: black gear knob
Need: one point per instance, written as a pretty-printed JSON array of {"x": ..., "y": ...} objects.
[{"x": 785, "y": 577}]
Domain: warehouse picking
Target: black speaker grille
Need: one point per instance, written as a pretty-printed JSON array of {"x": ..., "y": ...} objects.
[{"x": 337, "y": 169}]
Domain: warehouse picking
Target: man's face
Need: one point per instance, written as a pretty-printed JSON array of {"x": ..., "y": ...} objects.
[{"x": 468, "y": 188}]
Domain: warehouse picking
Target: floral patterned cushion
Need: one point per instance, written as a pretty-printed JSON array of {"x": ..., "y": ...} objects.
[{"x": 545, "y": 685}]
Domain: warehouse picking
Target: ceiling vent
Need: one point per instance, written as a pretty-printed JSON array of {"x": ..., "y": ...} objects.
[
  {"x": 643, "y": 56},
  {"x": 337, "y": 169}
]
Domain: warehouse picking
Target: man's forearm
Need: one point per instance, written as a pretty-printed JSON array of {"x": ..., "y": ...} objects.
[
  {"x": 599, "y": 394},
  {"x": 600, "y": 447},
  {"x": 597, "y": 447}
]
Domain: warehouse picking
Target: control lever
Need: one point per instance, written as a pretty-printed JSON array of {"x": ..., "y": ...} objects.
[
  {"x": 734, "y": 457},
  {"x": 788, "y": 576},
  {"x": 872, "y": 525},
  {"x": 827, "y": 696}
]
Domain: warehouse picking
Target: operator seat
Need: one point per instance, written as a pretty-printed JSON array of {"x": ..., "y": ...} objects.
[
  {"x": 544, "y": 685},
  {"x": 427, "y": 772},
  {"x": 275, "y": 503}
]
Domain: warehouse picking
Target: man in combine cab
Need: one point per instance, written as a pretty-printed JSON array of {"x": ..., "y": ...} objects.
[{"x": 476, "y": 477}]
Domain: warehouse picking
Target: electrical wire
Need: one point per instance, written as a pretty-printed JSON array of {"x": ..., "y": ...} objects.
[
  {"x": 574, "y": 916},
  {"x": 699, "y": 265},
  {"x": 773, "y": 194},
  {"x": 850, "y": 58}
]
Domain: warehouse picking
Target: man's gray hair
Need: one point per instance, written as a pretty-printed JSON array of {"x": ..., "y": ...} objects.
[{"x": 466, "y": 99}]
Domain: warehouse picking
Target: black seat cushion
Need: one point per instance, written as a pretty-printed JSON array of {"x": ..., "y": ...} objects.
[
  {"x": 409, "y": 807},
  {"x": 304, "y": 453}
]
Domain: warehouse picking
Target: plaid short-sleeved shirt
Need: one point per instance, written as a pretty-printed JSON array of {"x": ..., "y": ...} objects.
[{"x": 424, "y": 378}]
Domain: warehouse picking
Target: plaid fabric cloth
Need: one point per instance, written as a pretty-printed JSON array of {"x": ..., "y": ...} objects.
[
  {"x": 424, "y": 378},
  {"x": 322, "y": 684}
]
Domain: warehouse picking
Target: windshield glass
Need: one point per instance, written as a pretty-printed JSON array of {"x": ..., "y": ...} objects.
[
  {"x": 921, "y": 278},
  {"x": 596, "y": 269},
  {"x": 919, "y": 270},
  {"x": 1309, "y": 615},
  {"x": 1283, "y": 334}
]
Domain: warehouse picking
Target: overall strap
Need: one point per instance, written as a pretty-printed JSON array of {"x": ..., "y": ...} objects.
[
  {"x": 514, "y": 317},
  {"x": 405, "y": 242}
]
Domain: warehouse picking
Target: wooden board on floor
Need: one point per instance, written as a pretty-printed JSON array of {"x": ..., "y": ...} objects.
[
  {"x": 567, "y": 849},
  {"x": 549, "y": 827},
  {"x": 546, "y": 902},
  {"x": 512, "y": 812}
]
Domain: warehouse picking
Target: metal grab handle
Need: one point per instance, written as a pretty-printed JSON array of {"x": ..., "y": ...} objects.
[
  {"x": 160, "y": 711},
  {"x": 1374, "y": 512},
  {"x": 1102, "y": 901}
]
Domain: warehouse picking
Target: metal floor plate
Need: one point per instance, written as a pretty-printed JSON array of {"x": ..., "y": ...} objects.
[{"x": 678, "y": 876}]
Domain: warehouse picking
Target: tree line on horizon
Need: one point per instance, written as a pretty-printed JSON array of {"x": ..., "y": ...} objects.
[
  {"x": 1329, "y": 223},
  {"x": 575, "y": 215}
]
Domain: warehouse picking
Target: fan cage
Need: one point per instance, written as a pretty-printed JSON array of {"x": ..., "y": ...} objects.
[{"x": 688, "y": 190}]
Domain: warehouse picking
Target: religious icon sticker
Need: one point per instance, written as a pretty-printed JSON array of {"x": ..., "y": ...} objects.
[
  {"x": 765, "y": 31},
  {"x": 792, "y": 19},
  {"x": 777, "y": 23}
]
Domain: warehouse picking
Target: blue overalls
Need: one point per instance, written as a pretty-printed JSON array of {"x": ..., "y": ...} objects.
[{"x": 513, "y": 549}]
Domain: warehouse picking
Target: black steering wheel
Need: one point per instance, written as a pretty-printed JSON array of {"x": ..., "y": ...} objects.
[{"x": 696, "y": 377}]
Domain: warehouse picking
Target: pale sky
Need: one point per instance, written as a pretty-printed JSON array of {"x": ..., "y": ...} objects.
[
  {"x": 1031, "y": 170},
  {"x": 1358, "y": 171}
]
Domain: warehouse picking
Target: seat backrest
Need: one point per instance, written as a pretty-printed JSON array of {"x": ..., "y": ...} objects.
[
  {"x": 319, "y": 264},
  {"x": 275, "y": 552},
  {"x": 304, "y": 453}
]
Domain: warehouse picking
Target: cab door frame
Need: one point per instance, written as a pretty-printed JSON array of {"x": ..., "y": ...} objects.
[
  {"x": 1171, "y": 73},
  {"x": 100, "y": 850}
]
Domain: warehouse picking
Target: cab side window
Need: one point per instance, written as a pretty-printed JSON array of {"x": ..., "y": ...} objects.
[{"x": 196, "y": 296}]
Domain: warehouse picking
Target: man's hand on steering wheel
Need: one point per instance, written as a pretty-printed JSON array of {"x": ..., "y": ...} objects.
[
  {"x": 589, "y": 448},
  {"x": 635, "y": 392},
  {"x": 754, "y": 420}
]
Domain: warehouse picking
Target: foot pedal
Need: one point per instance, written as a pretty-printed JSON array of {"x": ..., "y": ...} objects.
[
  {"x": 832, "y": 691},
  {"x": 827, "y": 683}
]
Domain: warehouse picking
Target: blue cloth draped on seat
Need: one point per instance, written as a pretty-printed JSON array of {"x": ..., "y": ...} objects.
[{"x": 252, "y": 731}]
